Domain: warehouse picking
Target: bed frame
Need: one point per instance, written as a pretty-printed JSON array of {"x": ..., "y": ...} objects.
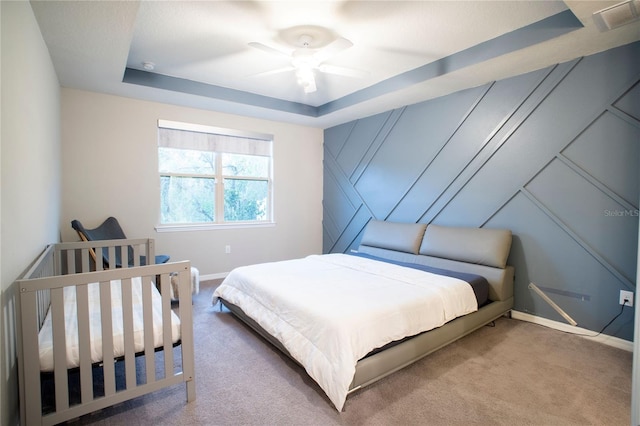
[
  {"x": 41, "y": 288},
  {"x": 471, "y": 250}
]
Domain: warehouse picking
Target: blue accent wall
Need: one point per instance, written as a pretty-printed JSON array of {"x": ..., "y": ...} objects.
[{"x": 552, "y": 155}]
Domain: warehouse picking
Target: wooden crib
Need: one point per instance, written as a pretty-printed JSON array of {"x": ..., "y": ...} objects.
[{"x": 79, "y": 319}]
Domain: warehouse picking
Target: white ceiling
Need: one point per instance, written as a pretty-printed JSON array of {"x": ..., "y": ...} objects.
[{"x": 203, "y": 46}]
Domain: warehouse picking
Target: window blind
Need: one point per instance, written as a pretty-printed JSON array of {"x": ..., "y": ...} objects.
[{"x": 205, "y": 138}]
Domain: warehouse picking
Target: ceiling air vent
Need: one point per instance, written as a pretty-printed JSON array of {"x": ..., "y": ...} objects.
[{"x": 617, "y": 15}]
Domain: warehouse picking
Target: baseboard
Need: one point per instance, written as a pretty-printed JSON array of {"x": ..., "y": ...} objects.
[
  {"x": 213, "y": 276},
  {"x": 616, "y": 342}
]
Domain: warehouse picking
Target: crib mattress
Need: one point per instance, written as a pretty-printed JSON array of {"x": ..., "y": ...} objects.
[{"x": 45, "y": 337}]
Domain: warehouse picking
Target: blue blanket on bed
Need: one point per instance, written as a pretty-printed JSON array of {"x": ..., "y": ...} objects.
[{"x": 478, "y": 283}]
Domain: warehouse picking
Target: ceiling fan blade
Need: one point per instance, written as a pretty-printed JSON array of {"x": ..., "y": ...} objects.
[
  {"x": 276, "y": 71},
  {"x": 333, "y": 48},
  {"x": 269, "y": 49},
  {"x": 348, "y": 72}
]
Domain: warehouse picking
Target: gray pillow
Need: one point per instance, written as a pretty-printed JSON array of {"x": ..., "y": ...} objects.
[
  {"x": 472, "y": 245},
  {"x": 404, "y": 237}
]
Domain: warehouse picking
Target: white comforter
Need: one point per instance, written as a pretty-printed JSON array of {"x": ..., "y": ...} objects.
[
  {"x": 45, "y": 337},
  {"x": 330, "y": 310}
]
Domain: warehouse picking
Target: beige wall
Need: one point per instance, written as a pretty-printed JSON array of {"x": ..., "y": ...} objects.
[
  {"x": 30, "y": 168},
  {"x": 109, "y": 147}
]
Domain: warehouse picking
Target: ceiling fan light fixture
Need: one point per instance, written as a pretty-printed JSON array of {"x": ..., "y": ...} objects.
[
  {"x": 309, "y": 86},
  {"x": 306, "y": 79},
  {"x": 312, "y": 46},
  {"x": 304, "y": 62}
]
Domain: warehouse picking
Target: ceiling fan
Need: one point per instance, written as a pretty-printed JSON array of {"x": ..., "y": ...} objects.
[{"x": 308, "y": 49}]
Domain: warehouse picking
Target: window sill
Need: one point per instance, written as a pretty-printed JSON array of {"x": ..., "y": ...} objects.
[{"x": 211, "y": 226}]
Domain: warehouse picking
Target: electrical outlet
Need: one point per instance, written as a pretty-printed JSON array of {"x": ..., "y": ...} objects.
[
  {"x": 227, "y": 249},
  {"x": 626, "y": 295}
]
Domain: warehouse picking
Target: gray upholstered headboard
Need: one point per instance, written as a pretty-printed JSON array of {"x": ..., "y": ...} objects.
[{"x": 473, "y": 250}]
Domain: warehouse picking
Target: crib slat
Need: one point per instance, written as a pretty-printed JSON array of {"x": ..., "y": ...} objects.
[
  {"x": 44, "y": 301},
  {"x": 57, "y": 261},
  {"x": 84, "y": 343},
  {"x": 127, "y": 326},
  {"x": 108, "y": 367},
  {"x": 71, "y": 261},
  {"x": 31, "y": 360},
  {"x": 151, "y": 252},
  {"x": 98, "y": 261},
  {"x": 112, "y": 257},
  {"x": 147, "y": 316},
  {"x": 86, "y": 266},
  {"x": 165, "y": 291},
  {"x": 186, "y": 333},
  {"x": 124, "y": 256},
  {"x": 59, "y": 349},
  {"x": 136, "y": 255}
]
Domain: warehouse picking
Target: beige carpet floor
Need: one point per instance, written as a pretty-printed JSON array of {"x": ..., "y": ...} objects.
[{"x": 515, "y": 373}]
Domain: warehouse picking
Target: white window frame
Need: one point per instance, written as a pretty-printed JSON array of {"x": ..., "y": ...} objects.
[{"x": 219, "y": 177}]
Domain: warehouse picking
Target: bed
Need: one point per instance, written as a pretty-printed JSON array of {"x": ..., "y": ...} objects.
[
  {"x": 90, "y": 337},
  {"x": 352, "y": 319}
]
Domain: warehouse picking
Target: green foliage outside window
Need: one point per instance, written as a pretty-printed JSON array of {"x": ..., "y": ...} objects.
[{"x": 189, "y": 180}]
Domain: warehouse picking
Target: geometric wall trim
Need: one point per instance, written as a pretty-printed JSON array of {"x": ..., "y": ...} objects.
[{"x": 552, "y": 155}]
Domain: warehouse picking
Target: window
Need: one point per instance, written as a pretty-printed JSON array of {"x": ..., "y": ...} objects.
[{"x": 210, "y": 175}]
